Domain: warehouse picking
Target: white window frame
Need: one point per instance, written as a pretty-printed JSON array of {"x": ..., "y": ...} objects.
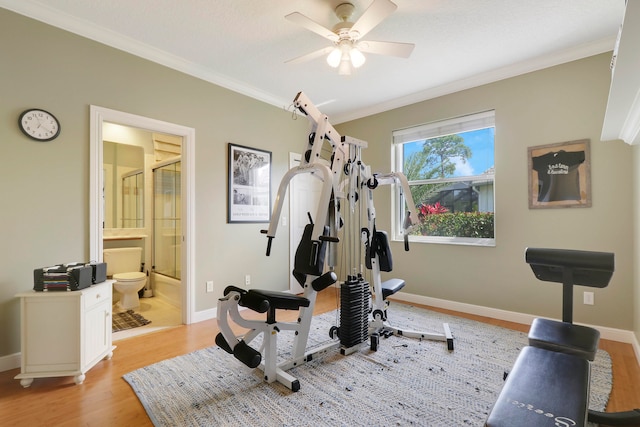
[{"x": 451, "y": 126}]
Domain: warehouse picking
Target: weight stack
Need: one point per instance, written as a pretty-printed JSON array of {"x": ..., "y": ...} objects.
[{"x": 354, "y": 312}]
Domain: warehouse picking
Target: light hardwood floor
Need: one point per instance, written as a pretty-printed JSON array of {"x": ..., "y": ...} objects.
[{"x": 105, "y": 399}]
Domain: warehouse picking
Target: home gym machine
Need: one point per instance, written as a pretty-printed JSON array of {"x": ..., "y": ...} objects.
[
  {"x": 549, "y": 382},
  {"x": 310, "y": 267},
  {"x": 342, "y": 176}
]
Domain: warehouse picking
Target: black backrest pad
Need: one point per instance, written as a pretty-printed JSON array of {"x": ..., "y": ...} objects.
[
  {"x": 381, "y": 247},
  {"x": 310, "y": 254},
  {"x": 588, "y": 268}
]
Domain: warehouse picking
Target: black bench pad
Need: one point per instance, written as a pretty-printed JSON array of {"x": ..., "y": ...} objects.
[
  {"x": 280, "y": 300},
  {"x": 564, "y": 337},
  {"x": 544, "y": 388},
  {"x": 391, "y": 286}
]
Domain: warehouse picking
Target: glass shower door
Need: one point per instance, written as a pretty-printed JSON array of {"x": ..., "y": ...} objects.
[{"x": 167, "y": 225}]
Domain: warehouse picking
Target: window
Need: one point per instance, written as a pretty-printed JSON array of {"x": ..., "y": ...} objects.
[{"x": 450, "y": 169}]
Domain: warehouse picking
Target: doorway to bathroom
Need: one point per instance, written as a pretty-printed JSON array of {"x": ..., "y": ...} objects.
[
  {"x": 177, "y": 171},
  {"x": 142, "y": 199}
]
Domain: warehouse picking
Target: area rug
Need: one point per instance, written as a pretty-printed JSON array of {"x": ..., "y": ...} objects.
[
  {"x": 405, "y": 382},
  {"x": 128, "y": 320}
]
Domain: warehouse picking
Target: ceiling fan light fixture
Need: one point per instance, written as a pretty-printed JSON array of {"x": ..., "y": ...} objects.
[
  {"x": 334, "y": 57},
  {"x": 344, "y": 69},
  {"x": 357, "y": 58},
  {"x": 345, "y": 57},
  {"x": 347, "y": 36}
]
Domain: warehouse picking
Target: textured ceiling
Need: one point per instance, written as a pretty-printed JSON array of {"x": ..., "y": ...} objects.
[{"x": 243, "y": 44}]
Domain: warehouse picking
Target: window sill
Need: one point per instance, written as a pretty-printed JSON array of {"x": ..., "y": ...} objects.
[{"x": 467, "y": 241}]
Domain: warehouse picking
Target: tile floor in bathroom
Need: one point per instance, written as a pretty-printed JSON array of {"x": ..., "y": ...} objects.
[{"x": 162, "y": 315}]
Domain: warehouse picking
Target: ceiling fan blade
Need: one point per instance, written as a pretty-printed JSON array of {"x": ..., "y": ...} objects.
[
  {"x": 311, "y": 25},
  {"x": 310, "y": 56},
  {"x": 402, "y": 50},
  {"x": 375, "y": 13}
]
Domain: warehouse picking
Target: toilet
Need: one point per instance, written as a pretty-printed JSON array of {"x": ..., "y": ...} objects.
[{"x": 123, "y": 266}]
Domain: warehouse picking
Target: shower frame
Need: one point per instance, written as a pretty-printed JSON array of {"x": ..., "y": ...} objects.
[{"x": 176, "y": 217}]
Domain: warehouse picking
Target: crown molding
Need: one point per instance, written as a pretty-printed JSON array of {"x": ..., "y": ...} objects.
[
  {"x": 513, "y": 70},
  {"x": 118, "y": 41}
]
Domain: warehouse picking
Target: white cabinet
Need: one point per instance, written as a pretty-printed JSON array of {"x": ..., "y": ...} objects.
[{"x": 64, "y": 333}]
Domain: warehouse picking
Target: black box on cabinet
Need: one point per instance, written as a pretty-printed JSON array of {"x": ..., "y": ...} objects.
[
  {"x": 99, "y": 272},
  {"x": 63, "y": 277}
]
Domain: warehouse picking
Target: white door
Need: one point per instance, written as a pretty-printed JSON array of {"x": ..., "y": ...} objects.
[{"x": 304, "y": 196}]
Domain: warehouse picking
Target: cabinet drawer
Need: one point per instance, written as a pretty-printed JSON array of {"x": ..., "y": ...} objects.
[{"x": 96, "y": 295}]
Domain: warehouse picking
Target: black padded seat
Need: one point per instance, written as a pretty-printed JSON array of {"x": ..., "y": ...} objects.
[
  {"x": 281, "y": 300},
  {"x": 391, "y": 286},
  {"x": 276, "y": 301},
  {"x": 564, "y": 337},
  {"x": 544, "y": 388}
]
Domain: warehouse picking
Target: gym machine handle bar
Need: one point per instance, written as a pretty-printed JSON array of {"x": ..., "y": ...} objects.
[{"x": 323, "y": 238}]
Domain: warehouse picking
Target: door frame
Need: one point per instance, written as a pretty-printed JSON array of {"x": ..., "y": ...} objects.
[{"x": 99, "y": 115}]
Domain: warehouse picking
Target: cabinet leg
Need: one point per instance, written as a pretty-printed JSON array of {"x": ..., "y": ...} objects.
[
  {"x": 26, "y": 382},
  {"x": 109, "y": 356},
  {"x": 78, "y": 379}
]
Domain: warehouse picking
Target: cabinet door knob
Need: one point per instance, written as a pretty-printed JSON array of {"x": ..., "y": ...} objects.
[{"x": 97, "y": 296}]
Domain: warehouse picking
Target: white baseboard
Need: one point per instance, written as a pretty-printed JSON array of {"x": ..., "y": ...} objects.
[
  {"x": 478, "y": 310},
  {"x": 9, "y": 362},
  {"x": 200, "y": 316},
  {"x": 636, "y": 348}
]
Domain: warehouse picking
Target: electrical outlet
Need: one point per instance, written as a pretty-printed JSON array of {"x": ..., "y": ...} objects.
[
  {"x": 588, "y": 298},
  {"x": 283, "y": 220},
  {"x": 247, "y": 279},
  {"x": 209, "y": 286}
]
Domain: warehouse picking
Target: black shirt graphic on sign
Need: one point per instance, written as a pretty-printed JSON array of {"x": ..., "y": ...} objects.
[{"x": 558, "y": 177}]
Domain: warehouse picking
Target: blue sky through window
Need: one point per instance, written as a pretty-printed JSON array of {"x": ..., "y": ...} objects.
[{"x": 481, "y": 143}]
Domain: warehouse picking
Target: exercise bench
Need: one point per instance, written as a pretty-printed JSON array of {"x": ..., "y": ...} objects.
[{"x": 555, "y": 368}]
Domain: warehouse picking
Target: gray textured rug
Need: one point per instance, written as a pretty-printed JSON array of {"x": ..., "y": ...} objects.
[{"x": 406, "y": 382}]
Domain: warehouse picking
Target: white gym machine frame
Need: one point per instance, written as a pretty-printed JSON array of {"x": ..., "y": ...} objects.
[
  {"x": 312, "y": 162},
  {"x": 266, "y": 359}
]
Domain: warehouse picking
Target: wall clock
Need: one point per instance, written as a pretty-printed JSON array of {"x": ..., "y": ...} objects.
[{"x": 39, "y": 124}]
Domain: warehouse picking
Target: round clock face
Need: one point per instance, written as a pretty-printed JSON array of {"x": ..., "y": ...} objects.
[{"x": 39, "y": 125}]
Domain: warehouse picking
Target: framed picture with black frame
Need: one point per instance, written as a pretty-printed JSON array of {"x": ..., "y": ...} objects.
[
  {"x": 560, "y": 175},
  {"x": 249, "y": 190}
]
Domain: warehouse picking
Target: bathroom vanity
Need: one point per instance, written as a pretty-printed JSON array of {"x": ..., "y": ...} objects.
[{"x": 64, "y": 333}]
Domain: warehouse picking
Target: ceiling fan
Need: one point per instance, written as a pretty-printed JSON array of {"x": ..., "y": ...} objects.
[{"x": 347, "y": 50}]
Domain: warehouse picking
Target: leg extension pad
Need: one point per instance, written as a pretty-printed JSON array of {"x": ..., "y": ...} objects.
[{"x": 247, "y": 355}]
